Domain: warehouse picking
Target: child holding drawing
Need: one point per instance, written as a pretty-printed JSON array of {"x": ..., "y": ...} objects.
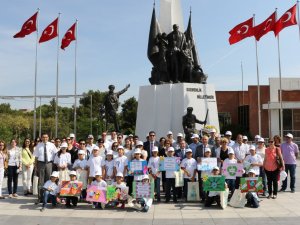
[
  {"x": 73, "y": 199},
  {"x": 80, "y": 166},
  {"x": 51, "y": 189},
  {"x": 153, "y": 166},
  {"x": 230, "y": 160},
  {"x": 101, "y": 184},
  {"x": 170, "y": 180}
]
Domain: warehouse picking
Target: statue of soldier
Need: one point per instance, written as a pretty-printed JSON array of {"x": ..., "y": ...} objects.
[
  {"x": 111, "y": 103},
  {"x": 188, "y": 122}
]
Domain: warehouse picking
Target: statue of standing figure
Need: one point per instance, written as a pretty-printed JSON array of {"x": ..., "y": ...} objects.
[{"x": 111, "y": 104}]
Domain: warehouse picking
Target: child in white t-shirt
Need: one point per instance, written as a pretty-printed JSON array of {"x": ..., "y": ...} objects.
[
  {"x": 119, "y": 184},
  {"x": 73, "y": 199},
  {"x": 109, "y": 167},
  {"x": 121, "y": 162},
  {"x": 189, "y": 166},
  {"x": 95, "y": 164},
  {"x": 170, "y": 180},
  {"x": 51, "y": 190},
  {"x": 62, "y": 160},
  {"x": 230, "y": 160},
  {"x": 153, "y": 168},
  {"x": 80, "y": 166},
  {"x": 255, "y": 160},
  {"x": 137, "y": 158},
  {"x": 100, "y": 184}
]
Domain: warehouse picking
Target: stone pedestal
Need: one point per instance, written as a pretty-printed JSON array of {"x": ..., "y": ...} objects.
[{"x": 161, "y": 107}]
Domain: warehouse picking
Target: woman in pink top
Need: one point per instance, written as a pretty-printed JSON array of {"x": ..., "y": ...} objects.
[{"x": 271, "y": 167}]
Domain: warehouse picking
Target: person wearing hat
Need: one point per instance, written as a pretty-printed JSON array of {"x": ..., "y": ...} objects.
[
  {"x": 290, "y": 152},
  {"x": 228, "y": 135},
  {"x": 170, "y": 137},
  {"x": 180, "y": 152},
  {"x": 201, "y": 174},
  {"x": 121, "y": 162},
  {"x": 213, "y": 196},
  {"x": 199, "y": 153},
  {"x": 63, "y": 161},
  {"x": 120, "y": 185},
  {"x": 72, "y": 149},
  {"x": 170, "y": 179},
  {"x": 260, "y": 150},
  {"x": 240, "y": 149},
  {"x": 155, "y": 174},
  {"x": 189, "y": 166},
  {"x": 50, "y": 190},
  {"x": 137, "y": 158},
  {"x": 230, "y": 160},
  {"x": 195, "y": 143},
  {"x": 256, "y": 139},
  {"x": 90, "y": 143},
  {"x": 149, "y": 145},
  {"x": 102, "y": 149},
  {"x": 82, "y": 146},
  {"x": 252, "y": 198},
  {"x": 95, "y": 164},
  {"x": 212, "y": 137},
  {"x": 176, "y": 144},
  {"x": 109, "y": 167},
  {"x": 80, "y": 166},
  {"x": 72, "y": 199},
  {"x": 255, "y": 160},
  {"x": 245, "y": 141},
  {"x": 100, "y": 183},
  {"x": 144, "y": 153}
]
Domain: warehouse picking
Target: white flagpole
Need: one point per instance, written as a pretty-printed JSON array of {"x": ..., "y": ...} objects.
[
  {"x": 258, "y": 86},
  {"x": 298, "y": 15},
  {"x": 242, "y": 71},
  {"x": 35, "y": 73},
  {"x": 280, "y": 83},
  {"x": 57, "y": 78},
  {"x": 75, "y": 89}
]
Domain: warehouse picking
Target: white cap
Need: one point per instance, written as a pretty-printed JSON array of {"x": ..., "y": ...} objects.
[
  {"x": 228, "y": 133},
  {"x": 213, "y": 130},
  {"x": 64, "y": 145},
  {"x": 155, "y": 149},
  {"x": 170, "y": 133},
  {"x": 109, "y": 152},
  {"x": 137, "y": 151},
  {"x": 90, "y": 136},
  {"x": 119, "y": 174},
  {"x": 230, "y": 151},
  {"x": 145, "y": 176},
  {"x": 289, "y": 135},
  {"x": 139, "y": 143},
  {"x": 195, "y": 136},
  {"x": 179, "y": 135},
  {"x": 96, "y": 148},
  {"x": 261, "y": 140},
  {"x": 216, "y": 168},
  {"x": 245, "y": 138},
  {"x": 55, "y": 174},
  {"x": 72, "y": 135},
  {"x": 252, "y": 147},
  {"x": 81, "y": 152},
  {"x": 251, "y": 171},
  {"x": 207, "y": 150},
  {"x": 171, "y": 149},
  {"x": 98, "y": 173},
  {"x": 188, "y": 150},
  {"x": 73, "y": 173},
  {"x": 120, "y": 147},
  {"x": 130, "y": 135},
  {"x": 257, "y": 136}
]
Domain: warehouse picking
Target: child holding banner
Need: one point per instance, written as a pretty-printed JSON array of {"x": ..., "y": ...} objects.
[
  {"x": 252, "y": 198},
  {"x": 50, "y": 190},
  {"x": 230, "y": 160},
  {"x": 189, "y": 166},
  {"x": 170, "y": 180},
  {"x": 137, "y": 158},
  {"x": 119, "y": 184},
  {"x": 153, "y": 166},
  {"x": 101, "y": 184},
  {"x": 109, "y": 167},
  {"x": 80, "y": 166},
  {"x": 73, "y": 199},
  {"x": 121, "y": 162}
]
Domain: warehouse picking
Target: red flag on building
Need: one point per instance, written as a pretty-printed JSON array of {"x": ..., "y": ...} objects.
[
  {"x": 265, "y": 27},
  {"x": 286, "y": 20},
  {"x": 50, "y": 32},
  {"x": 28, "y": 27},
  {"x": 68, "y": 37},
  {"x": 241, "y": 31}
]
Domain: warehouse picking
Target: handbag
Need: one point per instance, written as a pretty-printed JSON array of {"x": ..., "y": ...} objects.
[
  {"x": 193, "y": 191},
  {"x": 35, "y": 184},
  {"x": 278, "y": 159},
  {"x": 238, "y": 199},
  {"x": 179, "y": 180}
]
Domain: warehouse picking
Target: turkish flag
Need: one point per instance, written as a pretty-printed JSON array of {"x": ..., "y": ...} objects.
[
  {"x": 69, "y": 37},
  {"x": 50, "y": 32},
  {"x": 241, "y": 31},
  {"x": 286, "y": 20},
  {"x": 28, "y": 27},
  {"x": 265, "y": 27}
]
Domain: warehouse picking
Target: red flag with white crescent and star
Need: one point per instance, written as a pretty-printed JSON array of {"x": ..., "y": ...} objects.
[
  {"x": 286, "y": 20},
  {"x": 28, "y": 27},
  {"x": 241, "y": 31},
  {"x": 265, "y": 27},
  {"x": 68, "y": 37},
  {"x": 50, "y": 32}
]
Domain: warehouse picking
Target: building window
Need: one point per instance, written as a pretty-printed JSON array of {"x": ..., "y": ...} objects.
[
  {"x": 287, "y": 119},
  {"x": 224, "y": 119},
  {"x": 243, "y": 115}
]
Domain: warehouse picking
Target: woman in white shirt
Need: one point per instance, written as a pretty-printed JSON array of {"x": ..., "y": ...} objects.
[
  {"x": 63, "y": 160},
  {"x": 14, "y": 167},
  {"x": 261, "y": 151},
  {"x": 3, "y": 161}
]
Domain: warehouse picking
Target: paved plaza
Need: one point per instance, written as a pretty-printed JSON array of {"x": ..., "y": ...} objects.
[{"x": 283, "y": 210}]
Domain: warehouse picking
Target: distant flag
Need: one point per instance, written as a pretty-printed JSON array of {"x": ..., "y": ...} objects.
[
  {"x": 265, "y": 27},
  {"x": 241, "y": 31},
  {"x": 154, "y": 31},
  {"x": 68, "y": 37},
  {"x": 28, "y": 27},
  {"x": 286, "y": 20},
  {"x": 50, "y": 32}
]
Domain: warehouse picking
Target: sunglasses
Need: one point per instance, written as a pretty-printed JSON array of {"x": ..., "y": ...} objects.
[
  {"x": 152, "y": 135},
  {"x": 119, "y": 137},
  {"x": 82, "y": 143}
]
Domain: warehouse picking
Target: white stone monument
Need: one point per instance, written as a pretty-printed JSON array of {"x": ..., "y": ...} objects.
[
  {"x": 161, "y": 107},
  {"x": 170, "y": 13}
]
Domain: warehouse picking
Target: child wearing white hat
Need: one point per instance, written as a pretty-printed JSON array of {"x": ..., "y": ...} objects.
[
  {"x": 80, "y": 166},
  {"x": 121, "y": 162},
  {"x": 50, "y": 189},
  {"x": 100, "y": 183},
  {"x": 95, "y": 164},
  {"x": 153, "y": 168},
  {"x": 170, "y": 179},
  {"x": 109, "y": 167},
  {"x": 73, "y": 199},
  {"x": 62, "y": 160},
  {"x": 230, "y": 160}
]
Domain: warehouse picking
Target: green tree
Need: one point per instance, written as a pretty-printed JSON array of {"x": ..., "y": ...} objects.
[{"x": 128, "y": 115}]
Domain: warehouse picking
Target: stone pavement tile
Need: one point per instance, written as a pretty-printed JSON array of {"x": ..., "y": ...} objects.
[
  {"x": 229, "y": 221},
  {"x": 204, "y": 221},
  {"x": 223, "y": 214},
  {"x": 136, "y": 222},
  {"x": 167, "y": 222},
  {"x": 195, "y": 215}
]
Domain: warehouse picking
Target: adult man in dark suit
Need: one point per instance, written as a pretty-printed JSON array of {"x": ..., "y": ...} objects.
[{"x": 148, "y": 145}]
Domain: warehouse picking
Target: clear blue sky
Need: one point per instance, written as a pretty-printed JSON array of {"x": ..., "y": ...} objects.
[{"x": 112, "y": 45}]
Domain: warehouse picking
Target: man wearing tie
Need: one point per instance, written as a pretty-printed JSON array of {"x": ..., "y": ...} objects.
[
  {"x": 149, "y": 145},
  {"x": 181, "y": 151},
  {"x": 44, "y": 154}
]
